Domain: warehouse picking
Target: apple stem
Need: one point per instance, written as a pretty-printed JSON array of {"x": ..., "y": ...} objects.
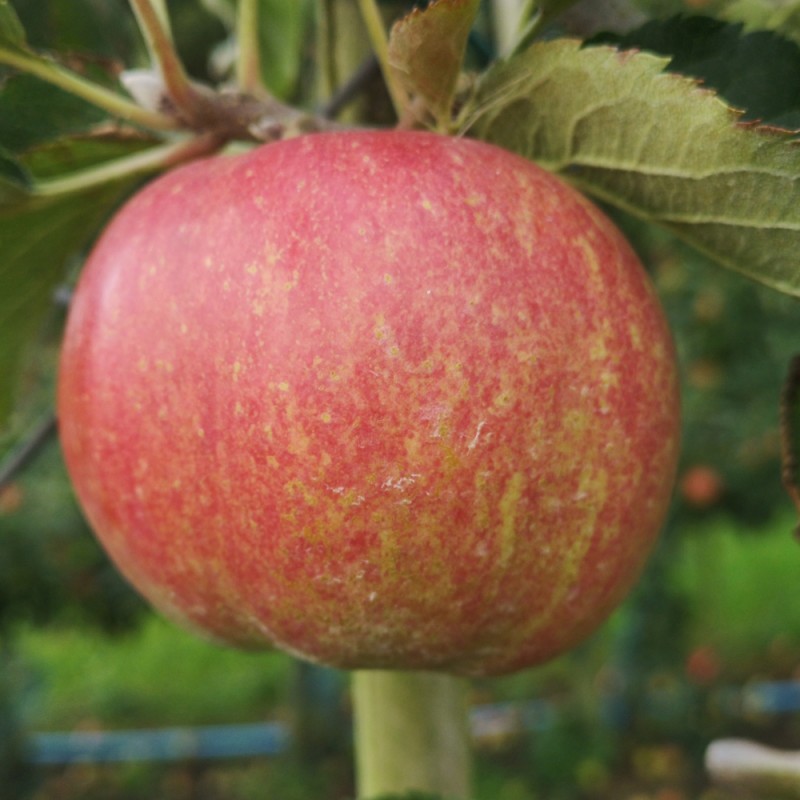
[{"x": 411, "y": 734}]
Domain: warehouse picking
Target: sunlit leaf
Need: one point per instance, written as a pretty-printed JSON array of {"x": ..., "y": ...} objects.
[
  {"x": 654, "y": 144},
  {"x": 426, "y": 51}
]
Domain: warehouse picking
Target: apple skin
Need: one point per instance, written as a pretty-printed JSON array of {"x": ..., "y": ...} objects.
[{"x": 383, "y": 399}]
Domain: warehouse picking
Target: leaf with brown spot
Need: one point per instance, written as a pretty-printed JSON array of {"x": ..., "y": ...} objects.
[{"x": 426, "y": 52}]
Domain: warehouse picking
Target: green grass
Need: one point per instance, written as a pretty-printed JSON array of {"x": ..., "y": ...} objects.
[
  {"x": 744, "y": 588},
  {"x": 156, "y": 675}
]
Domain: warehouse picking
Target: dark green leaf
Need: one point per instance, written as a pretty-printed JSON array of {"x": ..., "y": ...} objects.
[
  {"x": 426, "y": 51},
  {"x": 37, "y": 238},
  {"x": 40, "y": 234},
  {"x": 32, "y": 112},
  {"x": 758, "y": 72},
  {"x": 14, "y": 179},
  {"x": 104, "y": 28},
  {"x": 69, "y": 155},
  {"x": 654, "y": 144}
]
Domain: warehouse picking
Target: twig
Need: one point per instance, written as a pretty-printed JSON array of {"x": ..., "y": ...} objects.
[{"x": 28, "y": 450}]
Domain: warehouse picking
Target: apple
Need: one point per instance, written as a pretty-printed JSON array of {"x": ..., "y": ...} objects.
[{"x": 382, "y": 399}]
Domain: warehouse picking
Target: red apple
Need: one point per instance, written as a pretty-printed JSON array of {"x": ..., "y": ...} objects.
[{"x": 384, "y": 399}]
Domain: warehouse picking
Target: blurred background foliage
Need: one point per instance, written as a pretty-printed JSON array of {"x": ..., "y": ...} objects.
[{"x": 626, "y": 716}]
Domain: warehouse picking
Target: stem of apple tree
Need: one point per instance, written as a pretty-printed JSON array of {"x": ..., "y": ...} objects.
[{"x": 411, "y": 733}]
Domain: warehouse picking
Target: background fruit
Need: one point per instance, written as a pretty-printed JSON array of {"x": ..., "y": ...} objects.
[
  {"x": 701, "y": 486},
  {"x": 385, "y": 399}
]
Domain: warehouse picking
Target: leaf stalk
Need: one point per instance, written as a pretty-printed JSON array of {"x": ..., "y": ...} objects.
[
  {"x": 100, "y": 97},
  {"x": 154, "y": 159}
]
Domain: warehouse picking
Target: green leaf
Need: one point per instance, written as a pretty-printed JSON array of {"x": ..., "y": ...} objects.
[
  {"x": 32, "y": 112},
  {"x": 426, "y": 51},
  {"x": 12, "y": 34},
  {"x": 69, "y": 155},
  {"x": 783, "y": 17},
  {"x": 654, "y": 144},
  {"x": 284, "y": 25},
  {"x": 40, "y": 234},
  {"x": 106, "y": 29},
  {"x": 14, "y": 180},
  {"x": 758, "y": 72},
  {"x": 37, "y": 238}
]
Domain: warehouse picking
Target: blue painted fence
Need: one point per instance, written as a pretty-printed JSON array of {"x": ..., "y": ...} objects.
[
  {"x": 163, "y": 744},
  {"x": 273, "y": 738}
]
